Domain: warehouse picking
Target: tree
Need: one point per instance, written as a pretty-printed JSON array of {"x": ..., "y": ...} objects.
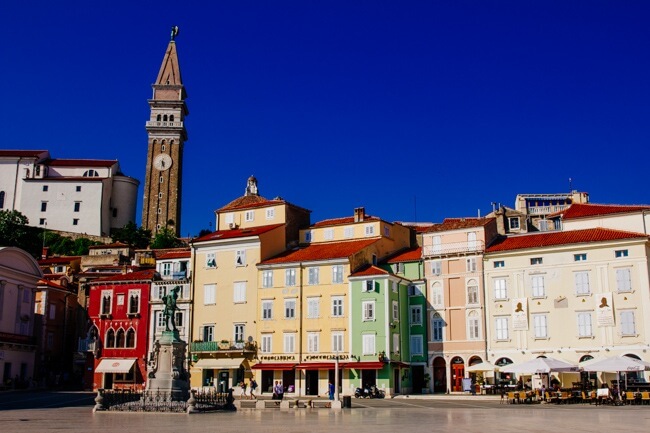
[
  {"x": 137, "y": 237},
  {"x": 14, "y": 232},
  {"x": 166, "y": 238}
]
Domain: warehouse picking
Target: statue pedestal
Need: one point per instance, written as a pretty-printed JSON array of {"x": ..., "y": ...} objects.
[{"x": 169, "y": 377}]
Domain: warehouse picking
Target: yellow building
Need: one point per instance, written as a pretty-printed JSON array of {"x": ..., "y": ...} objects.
[{"x": 250, "y": 229}]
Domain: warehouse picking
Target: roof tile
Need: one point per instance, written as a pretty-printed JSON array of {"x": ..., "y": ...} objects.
[{"x": 321, "y": 251}]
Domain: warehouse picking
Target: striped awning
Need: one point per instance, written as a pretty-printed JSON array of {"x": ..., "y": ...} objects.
[
  {"x": 115, "y": 365},
  {"x": 219, "y": 363},
  {"x": 274, "y": 366}
]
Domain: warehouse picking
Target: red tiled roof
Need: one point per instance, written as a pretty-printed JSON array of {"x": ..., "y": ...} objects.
[
  {"x": 51, "y": 284},
  {"x": 113, "y": 245},
  {"x": 407, "y": 255},
  {"x": 81, "y": 162},
  {"x": 369, "y": 270},
  {"x": 548, "y": 239},
  {"x": 147, "y": 274},
  {"x": 580, "y": 210},
  {"x": 69, "y": 179},
  {"x": 57, "y": 260},
  {"x": 174, "y": 255},
  {"x": 321, "y": 251},
  {"x": 249, "y": 201},
  {"x": 22, "y": 153},
  {"x": 458, "y": 223},
  {"x": 344, "y": 220},
  {"x": 237, "y": 233}
]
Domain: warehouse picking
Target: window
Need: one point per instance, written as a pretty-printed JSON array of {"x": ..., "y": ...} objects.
[
  {"x": 584, "y": 325},
  {"x": 2, "y": 199},
  {"x": 473, "y": 326},
  {"x": 501, "y": 327},
  {"x": 267, "y": 310},
  {"x": 543, "y": 225},
  {"x": 313, "y": 308},
  {"x": 270, "y": 214},
  {"x": 500, "y": 289},
  {"x": 437, "y": 244},
  {"x": 52, "y": 314},
  {"x": 266, "y": 343},
  {"x": 75, "y": 221},
  {"x": 107, "y": 300},
  {"x": 240, "y": 258},
  {"x": 134, "y": 301},
  {"x": 290, "y": 277},
  {"x": 289, "y": 343},
  {"x": 130, "y": 338},
  {"x": 370, "y": 230},
  {"x": 536, "y": 261},
  {"x": 208, "y": 333},
  {"x": 41, "y": 221},
  {"x": 627, "y": 323},
  {"x": 436, "y": 328},
  {"x": 470, "y": 264},
  {"x": 537, "y": 283},
  {"x": 119, "y": 338},
  {"x": 267, "y": 279},
  {"x": 337, "y": 274},
  {"x": 348, "y": 232},
  {"x": 161, "y": 179},
  {"x": 230, "y": 218},
  {"x": 499, "y": 263},
  {"x": 43, "y": 206},
  {"x": 368, "y": 344},
  {"x": 78, "y": 188},
  {"x": 414, "y": 290},
  {"x": 368, "y": 310},
  {"x": 436, "y": 267},
  {"x": 370, "y": 286},
  {"x": 110, "y": 338},
  {"x": 239, "y": 292},
  {"x": 374, "y": 259},
  {"x": 328, "y": 234},
  {"x": 209, "y": 294},
  {"x": 313, "y": 342},
  {"x": 77, "y": 206},
  {"x": 513, "y": 222},
  {"x": 399, "y": 268},
  {"x": 395, "y": 311},
  {"x": 289, "y": 308},
  {"x": 166, "y": 269},
  {"x": 45, "y": 188},
  {"x": 337, "y": 306},
  {"x": 472, "y": 292},
  {"x": 308, "y": 236},
  {"x": 210, "y": 260},
  {"x": 239, "y": 332},
  {"x": 416, "y": 315},
  {"x": 540, "y": 326},
  {"x": 579, "y": 257},
  {"x": 313, "y": 276},
  {"x": 471, "y": 241},
  {"x": 337, "y": 341},
  {"x": 416, "y": 345},
  {"x": 249, "y": 215},
  {"x": 436, "y": 294},
  {"x": 582, "y": 283},
  {"x": 618, "y": 253},
  {"x": 623, "y": 280}
]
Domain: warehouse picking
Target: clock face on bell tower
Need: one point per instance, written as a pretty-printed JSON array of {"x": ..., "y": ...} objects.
[{"x": 161, "y": 206}]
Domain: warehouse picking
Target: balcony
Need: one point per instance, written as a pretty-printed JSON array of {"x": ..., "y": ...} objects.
[
  {"x": 162, "y": 124},
  {"x": 223, "y": 345},
  {"x": 176, "y": 275},
  {"x": 87, "y": 345},
  {"x": 453, "y": 248},
  {"x": 545, "y": 210}
]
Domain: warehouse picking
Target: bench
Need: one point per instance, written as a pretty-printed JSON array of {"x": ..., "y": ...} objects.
[{"x": 321, "y": 404}]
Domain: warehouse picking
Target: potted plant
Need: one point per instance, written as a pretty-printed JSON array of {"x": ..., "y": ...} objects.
[{"x": 427, "y": 379}]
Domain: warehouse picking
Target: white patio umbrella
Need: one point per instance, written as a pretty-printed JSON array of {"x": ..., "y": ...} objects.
[
  {"x": 615, "y": 364},
  {"x": 482, "y": 366},
  {"x": 541, "y": 365}
]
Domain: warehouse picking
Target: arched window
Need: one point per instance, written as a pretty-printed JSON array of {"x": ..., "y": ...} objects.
[
  {"x": 119, "y": 340},
  {"x": 110, "y": 338},
  {"x": 2, "y": 199},
  {"x": 473, "y": 326},
  {"x": 130, "y": 338},
  {"x": 437, "y": 325},
  {"x": 165, "y": 118},
  {"x": 436, "y": 294},
  {"x": 171, "y": 117},
  {"x": 90, "y": 173},
  {"x": 472, "y": 292},
  {"x": 158, "y": 117}
]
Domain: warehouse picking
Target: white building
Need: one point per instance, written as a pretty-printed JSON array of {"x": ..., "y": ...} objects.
[{"x": 74, "y": 195}]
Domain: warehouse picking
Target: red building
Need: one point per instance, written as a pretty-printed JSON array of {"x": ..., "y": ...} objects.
[{"x": 119, "y": 320}]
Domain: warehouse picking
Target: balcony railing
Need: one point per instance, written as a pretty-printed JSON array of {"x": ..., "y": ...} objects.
[
  {"x": 214, "y": 346},
  {"x": 545, "y": 210},
  {"x": 453, "y": 248},
  {"x": 164, "y": 124},
  {"x": 177, "y": 275}
]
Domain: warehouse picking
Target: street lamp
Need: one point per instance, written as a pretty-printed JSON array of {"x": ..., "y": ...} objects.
[{"x": 336, "y": 375}]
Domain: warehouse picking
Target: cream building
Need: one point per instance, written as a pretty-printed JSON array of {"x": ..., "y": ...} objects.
[
  {"x": 250, "y": 229},
  {"x": 453, "y": 263},
  {"x": 571, "y": 295},
  {"x": 618, "y": 217}
]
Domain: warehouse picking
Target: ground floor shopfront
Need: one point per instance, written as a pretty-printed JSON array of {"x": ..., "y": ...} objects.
[{"x": 120, "y": 374}]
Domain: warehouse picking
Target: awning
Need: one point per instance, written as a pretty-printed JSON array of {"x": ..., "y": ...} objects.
[
  {"x": 219, "y": 363},
  {"x": 274, "y": 366},
  {"x": 115, "y": 365},
  {"x": 365, "y": 365}
]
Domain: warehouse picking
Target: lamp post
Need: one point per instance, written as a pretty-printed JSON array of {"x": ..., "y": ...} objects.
[{"x": 336, "y": 376}]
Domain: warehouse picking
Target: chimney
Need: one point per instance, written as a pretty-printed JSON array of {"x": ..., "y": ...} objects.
[
  {"x": 359, "y": 214},
  {"x": 45, "y": 252}
]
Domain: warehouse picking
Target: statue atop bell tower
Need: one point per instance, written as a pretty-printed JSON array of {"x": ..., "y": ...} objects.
[{"x": 161, "y": 205}]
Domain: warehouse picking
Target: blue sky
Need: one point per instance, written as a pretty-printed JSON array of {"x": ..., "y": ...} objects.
[{"x": 417, "y": 110}]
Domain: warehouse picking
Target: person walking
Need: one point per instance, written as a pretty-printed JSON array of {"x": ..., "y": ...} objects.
[
  {"x": 243, "y": 390},
  {"x": 253, "y": 387},
  {"x": 330, "y": 389}
]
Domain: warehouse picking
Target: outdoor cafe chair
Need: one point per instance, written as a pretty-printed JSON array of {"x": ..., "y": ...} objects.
[
  {"x": 645, "y": 397},
  {"x": 630, "y": 397}
]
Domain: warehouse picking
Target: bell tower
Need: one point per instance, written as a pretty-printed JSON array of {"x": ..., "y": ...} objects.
[{"x": 161, "y": 206}]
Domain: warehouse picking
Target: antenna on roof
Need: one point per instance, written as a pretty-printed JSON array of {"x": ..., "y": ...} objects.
[{"x": 570, "y": 184}]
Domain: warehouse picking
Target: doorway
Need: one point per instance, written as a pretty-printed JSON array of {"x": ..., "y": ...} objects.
[
  {"x": 369, "y": 378},
  {"x": 439, "y": 375},
  {"x": 311, "y": 382},
  {"x": 267, "y": 381},
  {"x": 289, "y": 380},
  {"x": 457, "y": 374},
  {"x": 417, "y": 378},
  {"x": 223, "y": 381}
]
